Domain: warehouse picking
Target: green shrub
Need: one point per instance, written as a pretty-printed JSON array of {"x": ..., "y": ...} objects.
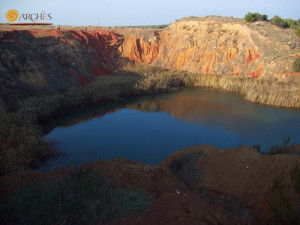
[
  {"x": 257, "y": 147},
  {"x": 274, "y": 149},
  {"x": 296, "y": 65},
  {"x": 278, "y": 21},
  {"x": 279, "y": 149},
  {"x": 291, "y": 23},
  {"x": 252, "y": 17},
  {"x": 82, "y": 197},
  {"x": 298, "y": 31},
  {"x": 264, "y": 17}
]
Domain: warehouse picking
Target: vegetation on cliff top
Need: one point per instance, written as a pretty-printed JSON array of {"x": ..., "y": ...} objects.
[
  {"x": 252, "y": 17},
  {"x": 276, "y": 20},
  {"x": 162, "y": 26}
]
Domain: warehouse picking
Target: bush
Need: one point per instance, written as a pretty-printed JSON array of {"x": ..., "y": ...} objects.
[
  {"x": 21, "y": 144},
  {"x": 298, "y": 31},
  {"x": 274, "y": 149},
  {"x": 296, "y": 65},
  {"x": 257, "y": 147},
  {"x": 291, "y": 23},
  {"x": 252, "y": 17},
  {"x": 279, "y": 149},
  {"x": 82, "y": 197},
  {"x": 264, "y": 17},
  {"x": 276, "y": 20}
]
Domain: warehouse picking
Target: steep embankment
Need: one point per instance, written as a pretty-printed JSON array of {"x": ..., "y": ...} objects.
[
  {"x": 39, "y": 61},
  {"x": 218, "y": 46},
  {"x": 253, "y": 59},
  {"x": 240, "y": 179}
]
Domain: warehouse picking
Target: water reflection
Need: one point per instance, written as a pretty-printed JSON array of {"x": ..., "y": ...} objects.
[{"x": 149, "y": 128}]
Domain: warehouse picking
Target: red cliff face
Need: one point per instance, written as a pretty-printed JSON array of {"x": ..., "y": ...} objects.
[
  {"x": 203, "y": 47},
  {"x": 42, "y": 57},
  {"x": 223, "y": 48},
  {"x": 140, "y": 50},
  {"x": 58, "y": 59},
  {"x": 230, "y": 49}
]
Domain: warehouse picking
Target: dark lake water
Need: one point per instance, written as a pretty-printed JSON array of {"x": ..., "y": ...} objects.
[{"x": 149, "y": 128}]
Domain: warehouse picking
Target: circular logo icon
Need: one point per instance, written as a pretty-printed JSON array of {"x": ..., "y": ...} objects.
[{"x": 12, "y": 15}]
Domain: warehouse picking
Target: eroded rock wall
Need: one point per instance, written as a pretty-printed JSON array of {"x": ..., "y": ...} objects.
[
  {"x": 35, "y": 61},
  {"x": 216, "y": 48},
  {"x": 39, "y": 61}
]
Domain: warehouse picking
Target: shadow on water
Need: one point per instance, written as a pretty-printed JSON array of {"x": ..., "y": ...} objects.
[{"x": 149, "y": 128}]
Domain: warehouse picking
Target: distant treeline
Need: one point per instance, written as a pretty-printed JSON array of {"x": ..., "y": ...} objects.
[
  {"x": 276, "y": 20},
  {"x": 162, "y": 26}
]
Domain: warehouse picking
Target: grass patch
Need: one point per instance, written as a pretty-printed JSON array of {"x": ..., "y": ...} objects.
[
  {"x": 285, "y": 195},
  {"x": 237, "y": 209},
  {"x": 82, "y": 197},
  {"x": 274, "y": 149},
  {"x": 184, "y": 168},
  {"x": 296, "y": 63},
  {"x": 21, "y": 144}
]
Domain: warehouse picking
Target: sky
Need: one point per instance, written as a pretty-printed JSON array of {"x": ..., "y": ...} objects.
[{"x": 140, "y": 12}]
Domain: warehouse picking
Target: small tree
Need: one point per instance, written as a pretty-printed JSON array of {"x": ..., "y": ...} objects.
[
  {"x": 276, "y": 20},
  {"x": 291, "y": 23},
  {"x": 264, "y": 17},
  {"x": 252, "y": 17}
]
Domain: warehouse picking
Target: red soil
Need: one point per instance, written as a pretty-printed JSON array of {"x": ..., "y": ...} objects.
[
  {"x": 241, "y": 174},
  {"x": 101, "y": 46},
  {"x": 251, "y": 56},
  {"x": 83, "y": 80},
  {"x": 100, "y": 71},
  {"x": 255, "y": 73}
]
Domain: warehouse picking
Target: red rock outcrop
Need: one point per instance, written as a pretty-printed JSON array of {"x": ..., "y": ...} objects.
[
  {"x": 38, "y": 60},
  {"x": 140, "y": 50},
  {"x": 222, "y": 48},
  {"x": 50, "y": 58}
]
